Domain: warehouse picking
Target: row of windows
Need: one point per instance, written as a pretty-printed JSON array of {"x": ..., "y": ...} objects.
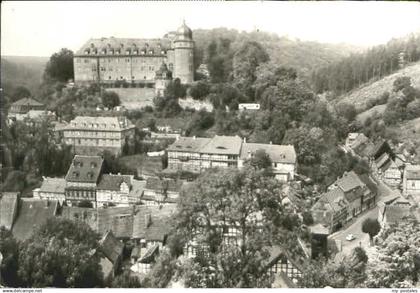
[
  {"x": 80, "y": 194},
  {"x": 142, "y": 68},
  {"x": 93, "y": 133},
  {"x": 117, "y": 52}
]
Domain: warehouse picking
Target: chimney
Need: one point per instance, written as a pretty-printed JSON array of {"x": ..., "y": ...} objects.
[
  {"x": 244, "y": 139},
  {"x": 249, "y": 154},
  {"x": 271, "y": 142},
  {"x": 194, "y": 137}
]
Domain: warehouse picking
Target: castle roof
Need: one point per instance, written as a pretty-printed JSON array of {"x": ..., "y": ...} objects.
[
  {"x": 125, "y": 46},
  {"x": 184, "y": 32}
]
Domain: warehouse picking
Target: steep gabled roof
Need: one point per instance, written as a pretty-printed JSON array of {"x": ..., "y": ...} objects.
[
  {"x": 111, "y": 247},
  {"x": 85, "y": 169},
  {"x": 32, "y": 214},
  {"x": 349, "y": 181}
]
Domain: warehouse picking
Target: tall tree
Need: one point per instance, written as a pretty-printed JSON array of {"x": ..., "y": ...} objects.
[
  {"x": 60, "y": 254},
  {"x": 60, "y": 66},
  {"x": 223, "y": 200},
  {"x": 9, "y": 249},
  {"x": 371, "y": 227}
]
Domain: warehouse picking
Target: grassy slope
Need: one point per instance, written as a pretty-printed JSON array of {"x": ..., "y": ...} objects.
[
  {"x": 372, "y": 90},
  {"x": 409, "y": 132}
]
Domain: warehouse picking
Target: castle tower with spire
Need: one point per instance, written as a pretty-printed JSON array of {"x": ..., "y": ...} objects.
[{"x": 184, "y": 54}]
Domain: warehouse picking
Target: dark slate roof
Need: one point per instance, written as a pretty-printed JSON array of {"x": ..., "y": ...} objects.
[
  {"x": 53, "y": 185},
  {"x": 119, "y": 220},
  {"x": 113, "y": 182},
  {"x": 155, "y": 183},
  {"x": 85, "y": 169},
  {"x": 349, "y": 181},
  {"x": 32, "y": 214},
  {"x": 160, "y": 222},
  {"x": 382, "y": 160},
  {"x": 27, "y": 101},
  {"x": 112, "y": 45},
  {"x": 8, "y": 207},
  {"x": 277, "y": 153},
  {"x": 111, "y": 247}
]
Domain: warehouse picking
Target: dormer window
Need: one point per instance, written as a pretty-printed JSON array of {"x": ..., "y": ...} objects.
[
  {"x": 136, "y": 52},
  {"x": 90, "y": 175},
  {"x": 103, "y": 51},
  {"x": 162, "y": 52},
  {"x": 93, "y": 165},
  {"x": 127, "y": 52},
  {"x": 75, "y": 174},
  {"x": 151, "y": 52},
  {"x": 87, "y": 52},
  {"x": 143, "y": 52}
]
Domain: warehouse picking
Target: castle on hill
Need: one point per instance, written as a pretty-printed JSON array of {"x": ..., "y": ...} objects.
[{"x": 136, "y": 63}]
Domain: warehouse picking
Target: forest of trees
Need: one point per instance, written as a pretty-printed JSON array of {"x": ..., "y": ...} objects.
[{"x": 352, "y": 71}]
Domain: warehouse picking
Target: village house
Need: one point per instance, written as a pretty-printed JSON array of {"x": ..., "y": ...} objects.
[
  {"x": 282, "y": 266},
  {"x": 119, "y": 220},
  {"x": 136, "y": 192},
  {"x": 161, "y": 191},
  {"x": 113, "y": 190},
  {"x": 283, "y": 158},
  {"x": 51, "y": 189},
  {"x": 331, "y": 209},
  {"x": 92, "y": 135},
  {"x": 111, "y": 254},
  {"x": 386, "y": 169},
  {"x": 345, "y": 199},
  {"x": 8, "y": 209},
  {"x": 151, "y": 227},
  {"x": 82, "y": 179},
  {"x": 354, "y": 138},
  {"x": 19, "y": 110},
  {"x": 411, "y": 182},
  {"x": 197, "y": 154},
  {"x": 392, "y": 209}
]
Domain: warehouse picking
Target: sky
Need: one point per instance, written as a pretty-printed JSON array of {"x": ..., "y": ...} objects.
[{"x": 42, "y": 28}]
